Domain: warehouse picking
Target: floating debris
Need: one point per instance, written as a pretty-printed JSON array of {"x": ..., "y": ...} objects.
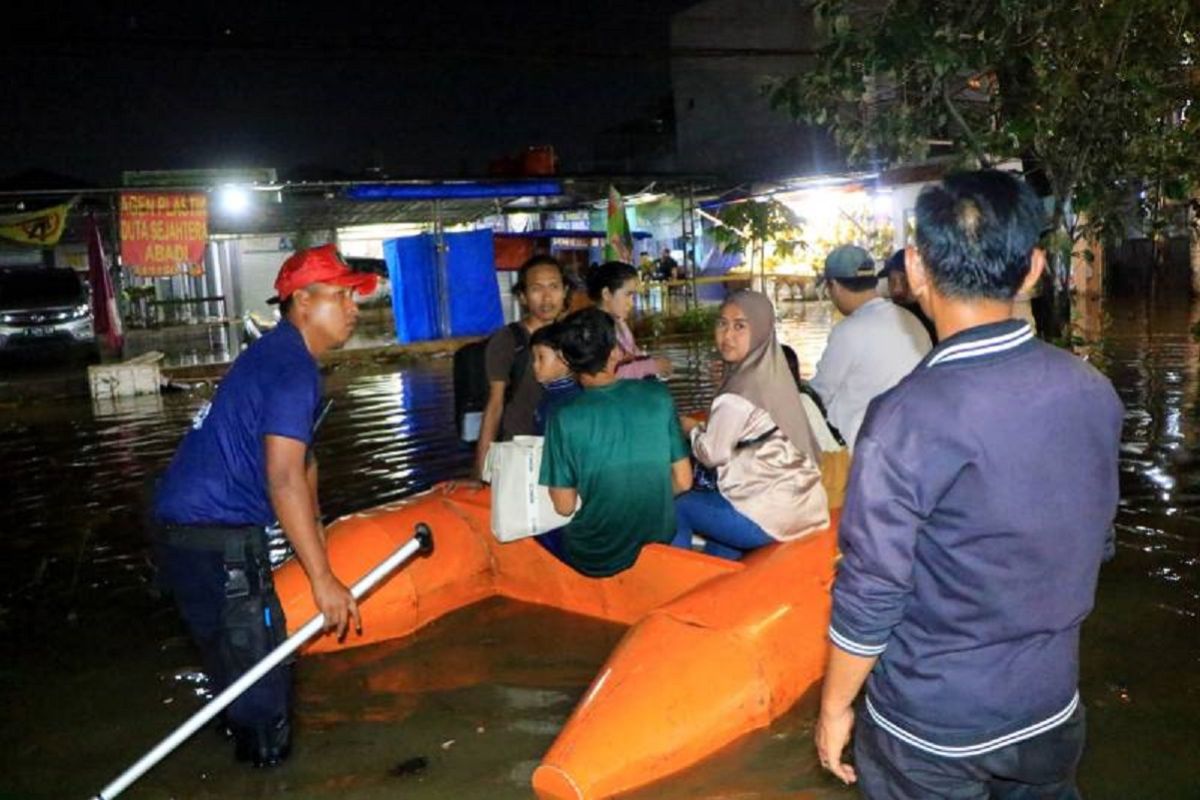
[{"x": 408, "y": 767}]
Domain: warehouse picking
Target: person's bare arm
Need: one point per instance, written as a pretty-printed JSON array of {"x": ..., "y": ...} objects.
[
  {"x": 564, "y": 500},
  {"x": 311, "y": 478},
  {"x": 293, "y": 502},
  {"x": 489, "y": 428},
  {"x": 681, "y": 475},
  {"x": 844, "y": 678}
]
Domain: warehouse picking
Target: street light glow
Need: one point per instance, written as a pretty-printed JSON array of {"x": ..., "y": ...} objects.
[
  {"x": 882, "y": 203},
  {"x": 233, "y": 200}
]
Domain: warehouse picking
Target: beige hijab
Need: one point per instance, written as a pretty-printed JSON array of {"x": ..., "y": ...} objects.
[{"x": 763, "y": 377}]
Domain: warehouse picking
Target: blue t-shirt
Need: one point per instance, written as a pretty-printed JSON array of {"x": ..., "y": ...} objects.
[{"x": 219, "y": 476}]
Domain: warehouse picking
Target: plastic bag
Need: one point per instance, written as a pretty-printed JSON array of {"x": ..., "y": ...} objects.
[{"x": 520, "y": 506}]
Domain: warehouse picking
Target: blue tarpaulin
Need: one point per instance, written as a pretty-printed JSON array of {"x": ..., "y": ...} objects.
[
  {"x": 470, "y": 285},
  {"x": 412, "y": 269},
  {"x": 568, "y": 233},
  {"x": 474, "y": 294},
  {"x": 716, "y": 265},
  {"x": 455, "y": 190}
]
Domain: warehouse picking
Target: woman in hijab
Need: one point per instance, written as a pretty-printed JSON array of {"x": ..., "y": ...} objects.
[{"x": 758, "y": 440}]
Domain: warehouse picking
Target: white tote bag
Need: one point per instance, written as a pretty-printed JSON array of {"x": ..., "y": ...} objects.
[{"x": 520, "y": 507}]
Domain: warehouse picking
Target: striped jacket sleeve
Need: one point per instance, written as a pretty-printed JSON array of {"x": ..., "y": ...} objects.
[{"x": 877, "y": 535}]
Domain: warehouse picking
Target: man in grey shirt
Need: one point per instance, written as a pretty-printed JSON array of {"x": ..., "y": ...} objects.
[{"x": 869, "y": 351}]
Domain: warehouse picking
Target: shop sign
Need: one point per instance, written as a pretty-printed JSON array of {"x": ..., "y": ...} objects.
[{"x": 164, "y": 234}]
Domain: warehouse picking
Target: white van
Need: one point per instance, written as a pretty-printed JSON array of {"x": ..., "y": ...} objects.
[{"x": 43, "y": 308}]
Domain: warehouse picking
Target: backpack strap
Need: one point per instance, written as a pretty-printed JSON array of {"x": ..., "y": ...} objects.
[
  {"x": 762, "y": 437},
  {"x": 521, "y": 359}
]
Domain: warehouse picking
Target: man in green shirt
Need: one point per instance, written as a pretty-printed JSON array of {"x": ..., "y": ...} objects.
[{"x": 618, "y": 449}]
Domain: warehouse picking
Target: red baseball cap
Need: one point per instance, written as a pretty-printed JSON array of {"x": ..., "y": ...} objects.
[{"x": 319, "y": 265}]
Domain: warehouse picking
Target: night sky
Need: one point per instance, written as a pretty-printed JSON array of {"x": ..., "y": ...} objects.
[{"x": 430, "y": 88}]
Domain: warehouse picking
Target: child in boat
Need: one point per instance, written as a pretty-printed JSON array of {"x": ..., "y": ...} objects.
[
  {"x": 759, "y": 441},
  {"x": 617, "y": 448},
  {"x": 612, "y": 287},
  {"x": 558, "y": 382}
]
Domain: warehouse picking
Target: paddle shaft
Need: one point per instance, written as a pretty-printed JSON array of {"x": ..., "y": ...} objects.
[{"x": 422, "y": 541}]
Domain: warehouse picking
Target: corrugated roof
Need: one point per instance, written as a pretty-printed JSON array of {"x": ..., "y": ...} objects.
[
  {"x": 316, "y": 207},
  {"x": 290, "y": 207},
  {"x": 297, "y": 212}
]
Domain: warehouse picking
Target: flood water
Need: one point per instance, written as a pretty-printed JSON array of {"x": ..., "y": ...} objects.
[{"x": 96, "y": 667}]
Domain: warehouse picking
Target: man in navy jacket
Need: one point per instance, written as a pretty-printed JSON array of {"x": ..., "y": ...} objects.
[{"x": 981, "y": 497}]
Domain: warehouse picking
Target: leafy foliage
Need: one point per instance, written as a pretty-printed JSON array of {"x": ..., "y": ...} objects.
[
  {"x": 752, "y": 221},
  {"x": 698, "y": 319},
  {"x": 1096, "y": 97},
  {"x": 749, "y": 226}
]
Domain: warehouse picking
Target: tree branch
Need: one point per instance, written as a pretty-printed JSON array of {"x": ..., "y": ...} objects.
[
  {"x": 1117, "y": 54},
  {"x": 957, "y": 116}
]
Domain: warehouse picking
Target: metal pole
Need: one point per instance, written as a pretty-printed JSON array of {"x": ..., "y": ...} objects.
[
  {"x": 116, "y": 272},
  {"x": 421, "y": 542},
  {"x": 689, "y": 254},
  {"x": 443, "y": 278}
]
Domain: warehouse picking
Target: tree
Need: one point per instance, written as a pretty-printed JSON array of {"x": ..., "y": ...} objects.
[
  {"x": 1095, "y": 97},
  {"x": 1194, "y": 234},
  {"x": 748, "y": 226}
]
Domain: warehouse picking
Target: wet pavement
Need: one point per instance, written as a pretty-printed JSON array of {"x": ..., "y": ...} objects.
[{"x": 96, "y": 667}]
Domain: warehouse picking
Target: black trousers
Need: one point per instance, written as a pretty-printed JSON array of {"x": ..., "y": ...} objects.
[
  {"x": 1040, "y": 768},
  {"x": 235, "y": 619}
]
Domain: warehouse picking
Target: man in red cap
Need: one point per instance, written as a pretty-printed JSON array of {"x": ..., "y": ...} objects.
[{"x": 245, "y": 463}]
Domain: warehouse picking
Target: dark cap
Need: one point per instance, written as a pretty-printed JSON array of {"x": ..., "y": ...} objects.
[{"x": 895, "y": 263}]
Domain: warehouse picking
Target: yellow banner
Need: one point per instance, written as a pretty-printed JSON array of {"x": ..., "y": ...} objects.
[{"x": 42, "y": 228}]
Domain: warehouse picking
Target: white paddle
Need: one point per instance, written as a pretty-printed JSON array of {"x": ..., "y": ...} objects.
[{"x": 421, "y": 542}]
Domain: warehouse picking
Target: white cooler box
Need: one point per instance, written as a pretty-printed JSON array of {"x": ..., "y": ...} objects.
[{"x": 520, "y": 507}]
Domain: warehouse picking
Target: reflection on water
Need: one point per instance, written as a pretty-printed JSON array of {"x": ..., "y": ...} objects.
[
  {"x": 1154, "y": 364},
  {"x": 1140, "y": 646},
  {"x": 96, "y": 667}
]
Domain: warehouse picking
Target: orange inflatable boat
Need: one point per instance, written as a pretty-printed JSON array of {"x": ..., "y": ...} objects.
[{"x": 715, "y": 648}]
